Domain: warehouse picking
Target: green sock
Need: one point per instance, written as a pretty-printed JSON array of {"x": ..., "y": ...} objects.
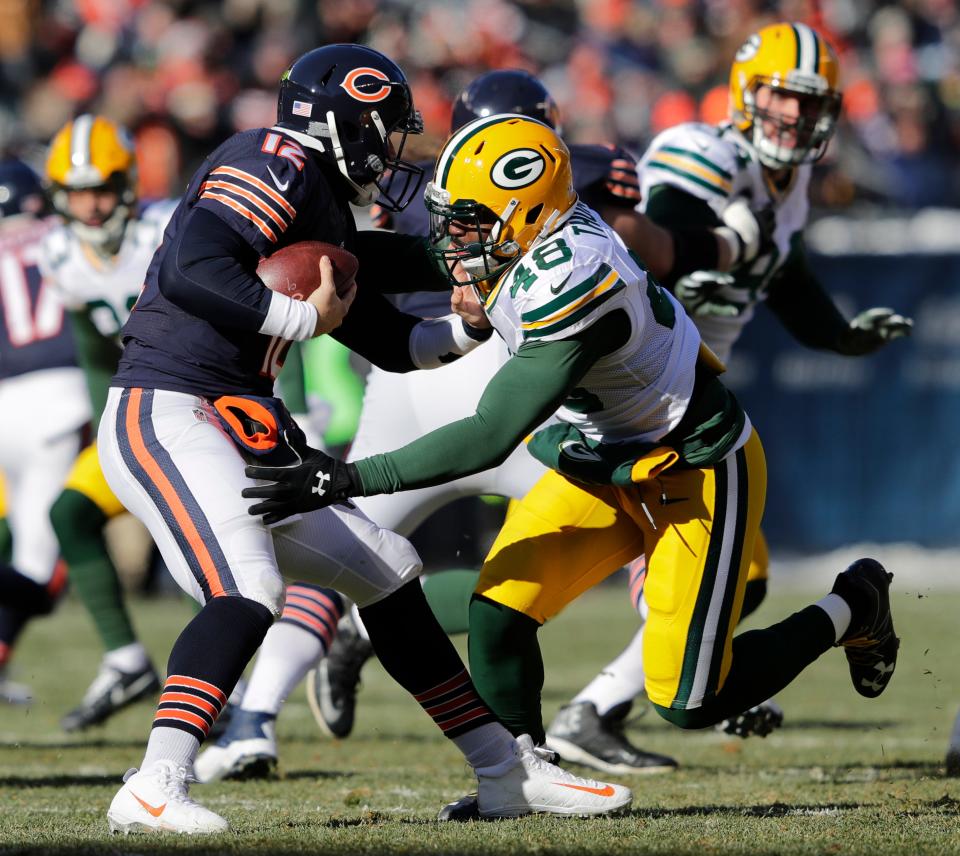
[
  {"x": 448, "y": 594},
  {"x": 506, "y": 665},
  {"x": 764, "y": 662},
  {"x": 79, "y": 522},
  {"x": 6, "y": 541}
]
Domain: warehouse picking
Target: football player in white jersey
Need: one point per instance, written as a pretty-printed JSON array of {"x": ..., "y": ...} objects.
[
  {"x": 651, "y": 453},
  {"x": 400, "y": 408},
  {"x": 97, "y": 260},
  {"x": 784, "y": 104},
  {"x": 44, "y": 404}
]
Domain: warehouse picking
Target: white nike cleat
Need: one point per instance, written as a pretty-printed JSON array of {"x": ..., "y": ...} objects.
[
  {"x": 246, "y": 750},
  {"x": 155, "y": 799},
  {"x": 531, "y": 784}
]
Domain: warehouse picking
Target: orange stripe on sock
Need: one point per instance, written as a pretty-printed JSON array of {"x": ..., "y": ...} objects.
[
  {"x": 321, "y": 628},
  {"x": 314, "y": 606},
  {"x": 460, "y": 700},
  {"x": 183, "y": 716},
  {"x": 197, "y": 684},
  {"x": 445, "y": 687},
  {"x": 159, "y": 478},
  {"x": 196, "y": 701},
  {"x": 460, "y": 720}
]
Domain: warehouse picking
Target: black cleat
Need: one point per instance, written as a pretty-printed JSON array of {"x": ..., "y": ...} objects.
[
  {"x": 758, "y": 721},
  {"x": 332, "y": 685},
  {"x": 464, "y": 809},
  {"x": 870, "y": 643},
  {"x": 578, "y": 734},
  {"x": 952, "y": 762},
  {"x": 111, "y": 691}
]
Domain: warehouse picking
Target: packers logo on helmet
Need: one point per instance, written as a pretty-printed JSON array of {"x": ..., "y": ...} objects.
[
  {"x": 792, "y": 65},
  {"x": 503, "y": 183},
  {"x": 93, "y": 153}
]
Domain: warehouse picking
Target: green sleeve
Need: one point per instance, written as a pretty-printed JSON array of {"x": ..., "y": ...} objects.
[
  {"x": 690, "y": 222},
  {"x": 673, "y": 208},
  {"x": 396, "y": 264},
  {"x": 98, "y": 356},
  {"x": 291, "y": 380},
  {"x": 796, "y": 297},
  {"x": 528, "y": 388}
]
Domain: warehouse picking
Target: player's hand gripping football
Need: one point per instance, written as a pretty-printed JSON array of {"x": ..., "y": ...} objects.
[
  {"x": 872, "y": 329},
  {"x": 331, "y": 307},
  {"x": 316, "y": 481}
]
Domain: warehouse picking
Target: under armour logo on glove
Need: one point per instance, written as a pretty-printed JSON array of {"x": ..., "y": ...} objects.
[
  {"x": 315, "y": 481},
  {"x": 318, "y": 487}
]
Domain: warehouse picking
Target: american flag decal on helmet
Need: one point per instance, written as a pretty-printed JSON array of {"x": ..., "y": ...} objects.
[{"x": 302, "y": 108}]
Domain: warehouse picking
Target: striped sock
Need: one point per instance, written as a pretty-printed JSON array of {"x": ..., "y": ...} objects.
[
  {"x": 455, "y": 706},
  {"x": 190, "y": 705},
  {"x": 314, "y": 609},
  {"x": 638, "y": 575}
]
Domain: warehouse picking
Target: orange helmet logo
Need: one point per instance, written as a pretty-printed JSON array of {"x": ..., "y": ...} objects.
[{"x": 351, "y": 85}]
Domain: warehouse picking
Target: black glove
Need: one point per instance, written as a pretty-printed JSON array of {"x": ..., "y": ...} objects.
[
  {"x": 316, "y": 481},
  {"x": 872, "y": 329}
]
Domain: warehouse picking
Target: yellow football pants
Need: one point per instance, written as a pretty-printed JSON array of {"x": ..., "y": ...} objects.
[
  {"x": 87, "y": 478},
  {"x": 698, "y": 529}
]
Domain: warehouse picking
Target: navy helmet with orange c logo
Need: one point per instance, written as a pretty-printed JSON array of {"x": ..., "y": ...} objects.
[{"x": 353, "y": 107}]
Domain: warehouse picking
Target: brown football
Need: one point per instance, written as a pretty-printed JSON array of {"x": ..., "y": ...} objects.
[{"x": 295, "y": 269}]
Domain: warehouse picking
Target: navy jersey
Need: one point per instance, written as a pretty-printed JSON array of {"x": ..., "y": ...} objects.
[
  {"x": 602, "y": 176},
  {"x": 271, "y": 193},
  {"x": 33, "y": 335}
]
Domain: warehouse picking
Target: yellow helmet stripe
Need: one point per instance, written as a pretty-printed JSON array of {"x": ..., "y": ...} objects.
[{"x": 80, "y": 133}]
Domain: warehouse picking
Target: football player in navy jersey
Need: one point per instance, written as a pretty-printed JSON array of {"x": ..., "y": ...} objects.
[
  {"x": 191, "y": 406},
  {"x": 45, "y": 408}
]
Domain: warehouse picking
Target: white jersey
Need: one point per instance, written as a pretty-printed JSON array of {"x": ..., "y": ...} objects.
[
  {"x": 107, "y": 288},
  {"x": 716, "y": 164},
  {"x": 581, "y": 273}
]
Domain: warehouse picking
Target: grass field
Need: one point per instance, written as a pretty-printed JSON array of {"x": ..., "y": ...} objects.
[{"x": 845, "y": 775}]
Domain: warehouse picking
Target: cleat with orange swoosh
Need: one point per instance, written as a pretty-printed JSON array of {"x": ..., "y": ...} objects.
[
  {"x": 156, "y": 799},
  {"x": 530, "y": 784}
]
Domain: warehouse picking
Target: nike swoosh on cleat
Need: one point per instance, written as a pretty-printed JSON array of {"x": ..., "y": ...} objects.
[
  {"x": 281, "y": 186},
  {"x": 155, "y": 811},
  {"x": 606, "y": 791}
]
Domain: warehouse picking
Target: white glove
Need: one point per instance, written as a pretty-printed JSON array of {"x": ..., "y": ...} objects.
[
  {"x": 748, "y": 233},
  {"x": 710, "y": 293}
]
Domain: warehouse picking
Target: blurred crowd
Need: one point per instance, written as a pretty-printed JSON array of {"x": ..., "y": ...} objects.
[{"x": 183, "y": 74}]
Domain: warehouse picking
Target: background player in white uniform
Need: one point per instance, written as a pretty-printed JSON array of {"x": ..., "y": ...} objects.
[
  {"x": 399, "y": 409},
  {"x": 785, "y": 99},
  {"x": 97, "y": 260},
  {"x": 43, "y": 400},
  {"x": 651, "y": 453}
]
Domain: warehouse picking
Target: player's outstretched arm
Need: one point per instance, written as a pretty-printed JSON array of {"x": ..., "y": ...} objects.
[
  {"x": 527, "y": 389},
  {"x": 805, "y": 309}
]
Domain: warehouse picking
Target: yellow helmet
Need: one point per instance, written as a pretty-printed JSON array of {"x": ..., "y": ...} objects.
[
  {"x": 506, "y": 178},
  {"x": 790, "y": 59},
  {"x": 93, "y": 152}
]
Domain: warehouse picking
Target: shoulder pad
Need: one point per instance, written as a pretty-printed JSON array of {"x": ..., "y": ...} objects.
[
  {"x": 559, "y": 288},
  {"x": 693, "y": 156}
]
